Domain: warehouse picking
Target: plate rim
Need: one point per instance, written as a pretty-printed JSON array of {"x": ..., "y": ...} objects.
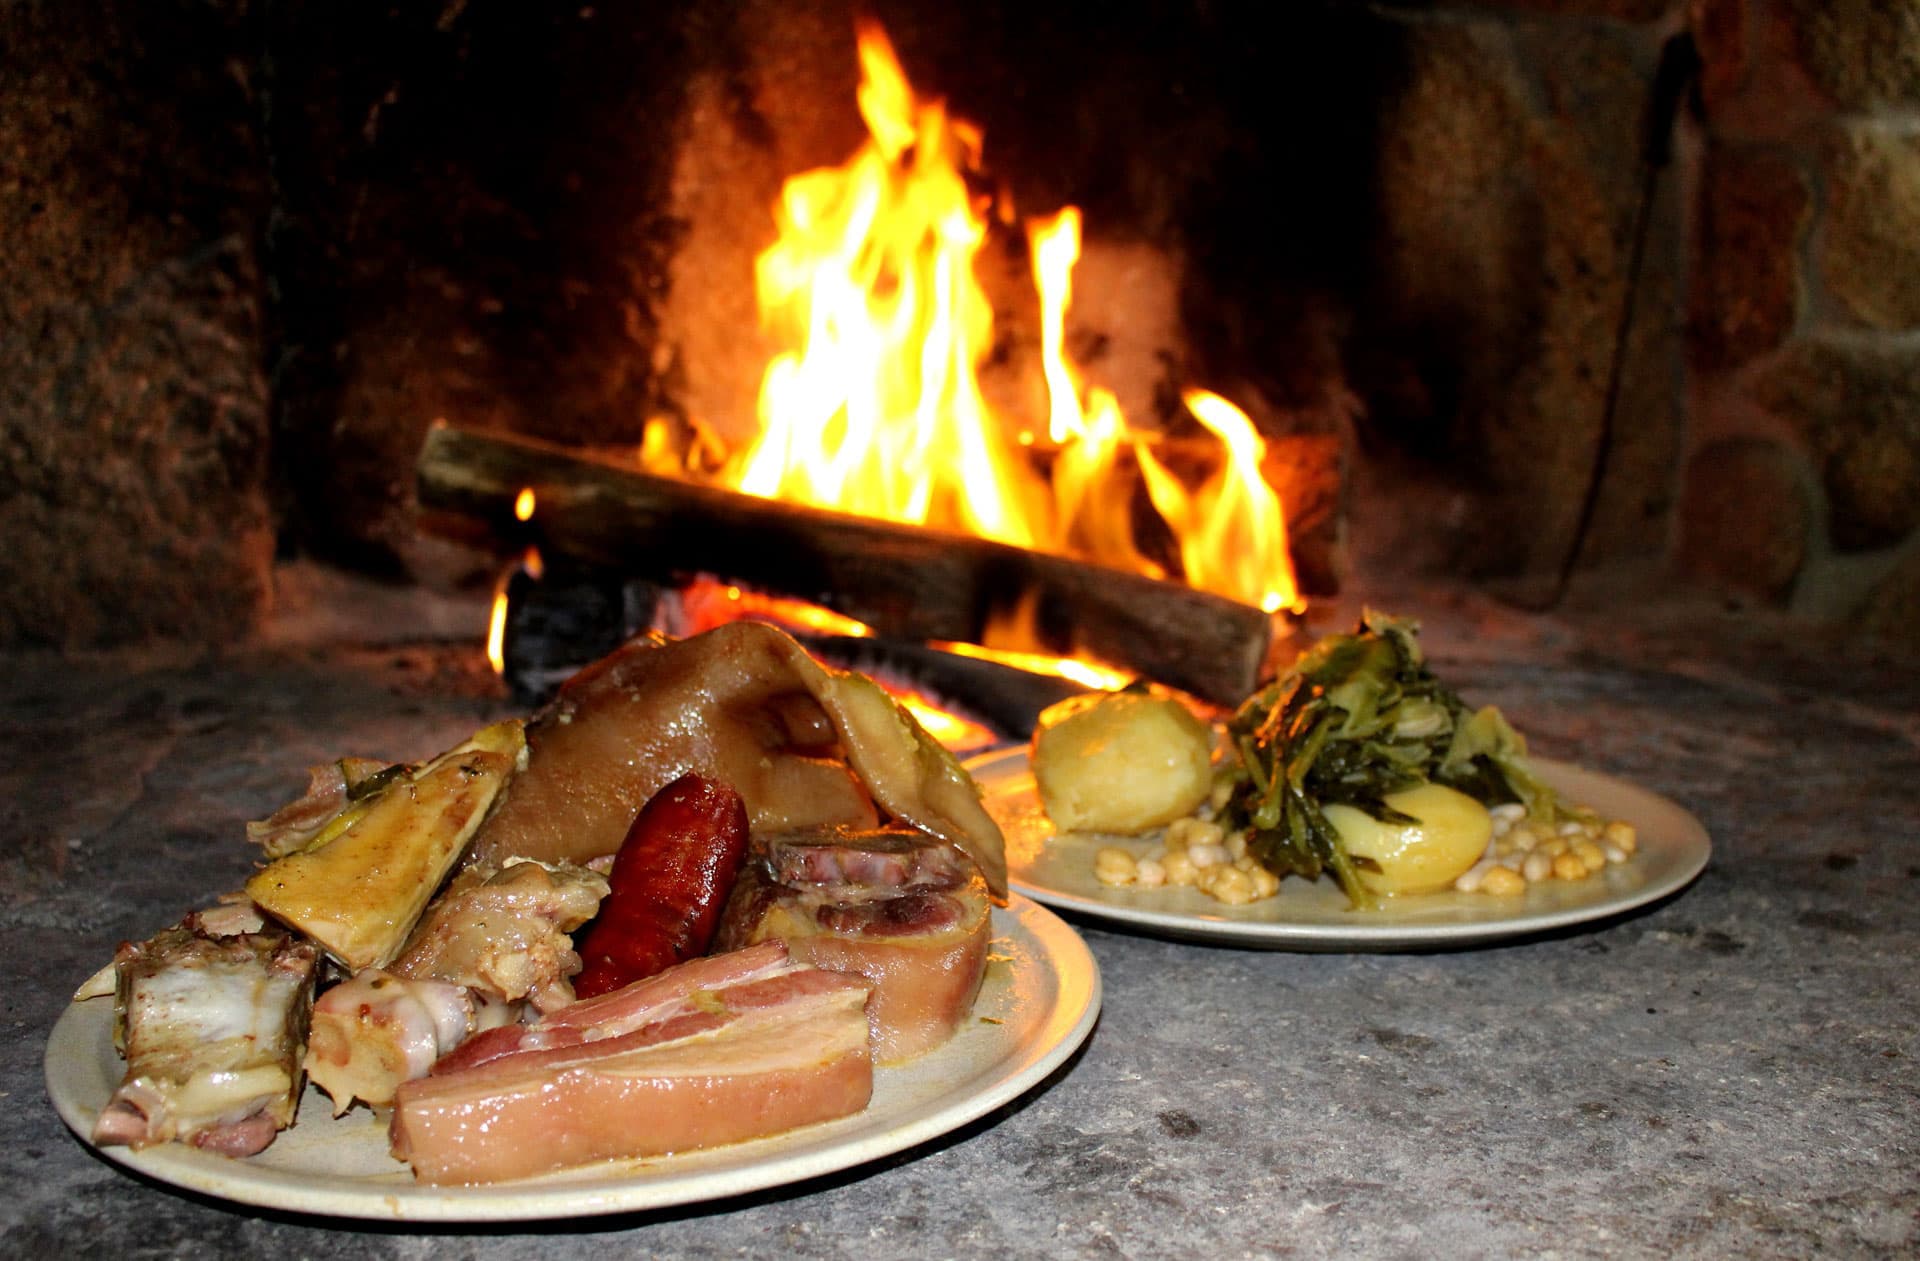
[
  {"x": 1694, "y": 850},
  {"x": 1059, "y": 1032}
]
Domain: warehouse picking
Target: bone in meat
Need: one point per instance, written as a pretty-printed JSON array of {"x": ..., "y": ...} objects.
[
  {"x": 212, "y": 1030},
  {"x": 506, "y": 933}
]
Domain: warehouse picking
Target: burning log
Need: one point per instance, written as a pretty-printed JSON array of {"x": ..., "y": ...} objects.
[{"x": 903, "y": 581}]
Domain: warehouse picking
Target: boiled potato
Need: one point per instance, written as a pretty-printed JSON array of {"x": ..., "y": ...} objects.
[
  {"x": 1121, "y": 762},
  {"x": 1449, "y": 835}
]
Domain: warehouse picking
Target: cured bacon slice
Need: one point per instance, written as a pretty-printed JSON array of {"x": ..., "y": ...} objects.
[
  {"x": 713, "y": 1051},
  {"x": 212, "y": 1030},
  {"x": 902, "y": 909}
]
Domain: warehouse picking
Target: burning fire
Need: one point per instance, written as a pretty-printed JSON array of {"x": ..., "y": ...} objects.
[
  {"x": 875, "y": 407},
  {"x": 1233, "y": 535},
  {"x": 530, "y": 564}
]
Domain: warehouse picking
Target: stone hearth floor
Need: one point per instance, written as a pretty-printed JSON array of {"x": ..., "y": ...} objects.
[{"x": 1732, "y": 1072}]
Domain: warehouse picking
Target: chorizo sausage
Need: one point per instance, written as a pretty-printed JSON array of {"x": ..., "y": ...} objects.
[{"x": 670, "y": 880}]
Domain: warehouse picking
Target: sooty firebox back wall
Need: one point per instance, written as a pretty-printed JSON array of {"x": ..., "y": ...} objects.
[{"x": 478, "y": 215}]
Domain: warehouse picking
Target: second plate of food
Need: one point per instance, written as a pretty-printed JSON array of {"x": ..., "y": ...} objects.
[{"x": 1058, "y": 871}]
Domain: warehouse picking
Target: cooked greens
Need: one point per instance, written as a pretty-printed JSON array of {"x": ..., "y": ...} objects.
[{"x": 1358, "y": 717}]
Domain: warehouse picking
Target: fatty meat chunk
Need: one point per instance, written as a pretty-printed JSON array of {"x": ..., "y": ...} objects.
[
  {"x": 902, "y": 909},
  {"x": 212, "y": 1030},
  {"x": 713, "y": 1051}
]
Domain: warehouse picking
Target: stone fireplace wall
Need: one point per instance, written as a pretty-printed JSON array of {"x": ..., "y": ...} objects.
[
  {"x": 252, "y": 249},
  {"x": 1802, "y": 477}
]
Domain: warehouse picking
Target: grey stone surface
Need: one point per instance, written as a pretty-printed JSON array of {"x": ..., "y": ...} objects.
[{"x": 1730, "y": 1073}]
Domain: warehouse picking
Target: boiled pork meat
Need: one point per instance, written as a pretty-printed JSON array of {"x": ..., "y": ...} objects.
[
  {"x": 212, "y": 1029},
  {"x": 900, "y": 908},
  {"x": 504, "y": 934},
  {"x": 375, "y": 1030},
  {"x": 716, "y": 1050}
]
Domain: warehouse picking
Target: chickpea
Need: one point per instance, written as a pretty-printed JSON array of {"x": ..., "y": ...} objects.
[
  {"x": 1180, "y": 868},
  {"x": 1115, "y": 867},
  {"x": 1503, "y": 882},
  {"x": 1622, "y": 835},
  {"x": 1187, "y": 833},
  {"x": 1231, "y": 885}
]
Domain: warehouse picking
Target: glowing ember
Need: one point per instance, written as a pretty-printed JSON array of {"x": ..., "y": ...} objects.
[
  {"x": 706, "y": 602},
  {"x": 1089, "y": 674},
  {"x": 1009, "y": 637},
  {"x": 959, "y": 735}
]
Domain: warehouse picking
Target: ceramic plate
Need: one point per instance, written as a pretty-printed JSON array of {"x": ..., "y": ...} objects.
[
  {"x": 1058, "y": 871},
  {"x": 1036, "y": 1006}
]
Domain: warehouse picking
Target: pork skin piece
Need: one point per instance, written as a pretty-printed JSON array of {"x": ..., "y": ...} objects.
[
  {"x": 505, "y": 933},
  {"x": 717, "y": 1050},
  {"x": 744, "y": 704},
  {"x": 902, "y": 909},
  {"x": 375, "y": 1030},
  {"x": 212, "y": 1030}
]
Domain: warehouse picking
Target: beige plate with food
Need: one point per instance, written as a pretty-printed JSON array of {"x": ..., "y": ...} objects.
[
  {"x": 1058, "y": 870},
  {"x": 1036, "y": 1006}
]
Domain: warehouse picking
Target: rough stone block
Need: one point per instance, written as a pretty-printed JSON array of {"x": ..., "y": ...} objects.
[
  {"x": 1863, "y": 54},
  {"x": 1891, "y": 610},
  {"x": 1500, "y": 278},
  {"x": 1752, "y": 83},
  {"x": 1858, "y": 410},
  {"x": 1870, "y": 251},
  {"x": 1753, "y": 214},
  {"x": 1745, "y": 517},
  {"x": 133, "y": 426}
]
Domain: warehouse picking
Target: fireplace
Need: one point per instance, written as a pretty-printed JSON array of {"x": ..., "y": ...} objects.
[{"x": 1490, "y": 332}]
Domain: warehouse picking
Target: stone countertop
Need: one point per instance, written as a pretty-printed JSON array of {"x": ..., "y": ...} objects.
[{"x": 1732, "y": 1072}]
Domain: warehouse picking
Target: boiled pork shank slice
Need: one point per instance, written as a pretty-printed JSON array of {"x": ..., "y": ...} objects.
[
  {"x": 744, "y": 704},
  {"x": 900, "y": 908},
  {"x": 717, "y": 1050}
]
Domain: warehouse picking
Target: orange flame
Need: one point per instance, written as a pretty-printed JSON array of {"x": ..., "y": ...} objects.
[
  {"x": 531, "y": 565},
  {"x": 874, "y": 406},
  {"x": 1233, "y": 536},
  {"x": 878, "y": 411}
]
